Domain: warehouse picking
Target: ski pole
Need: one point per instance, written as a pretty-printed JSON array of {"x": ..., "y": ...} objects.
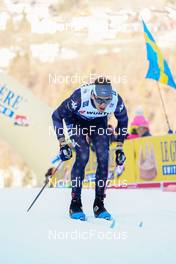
[
  {"x": 50, "y": 173},
  {"x": 46, "y": 182}
]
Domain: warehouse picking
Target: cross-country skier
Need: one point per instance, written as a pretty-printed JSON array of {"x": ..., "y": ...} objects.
[{"x": 86, "y": 115}]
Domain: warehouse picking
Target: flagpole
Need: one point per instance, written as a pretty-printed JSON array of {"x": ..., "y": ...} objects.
[{"x": 164, "y": 108}]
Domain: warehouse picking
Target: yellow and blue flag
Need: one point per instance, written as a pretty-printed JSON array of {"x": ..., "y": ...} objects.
[{"x": 158, "y": 67}]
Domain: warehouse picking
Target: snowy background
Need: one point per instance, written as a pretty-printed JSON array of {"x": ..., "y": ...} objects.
[{"x": 144, "y": 231}]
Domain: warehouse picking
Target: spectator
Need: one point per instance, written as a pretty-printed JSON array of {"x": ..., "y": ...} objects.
[
  {"x": 139, "y": 127},
  {"x": 142, "y": 126}
]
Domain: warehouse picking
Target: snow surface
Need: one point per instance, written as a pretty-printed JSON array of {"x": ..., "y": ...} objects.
[{"x": 145, "y": 229}]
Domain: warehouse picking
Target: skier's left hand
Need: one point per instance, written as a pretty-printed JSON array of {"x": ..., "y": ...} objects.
[{"x": 120, "y": 156}]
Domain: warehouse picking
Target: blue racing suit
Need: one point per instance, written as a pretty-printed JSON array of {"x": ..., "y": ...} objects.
[{"x": 82, "y": 120}]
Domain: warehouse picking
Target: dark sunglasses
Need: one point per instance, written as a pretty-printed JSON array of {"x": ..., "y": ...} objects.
[{"x": 102, "y": 101}]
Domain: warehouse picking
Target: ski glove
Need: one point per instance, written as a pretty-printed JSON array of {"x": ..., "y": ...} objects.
[
  {"x": 65, "y": 152},
  {"x": 120, "y": 156}
]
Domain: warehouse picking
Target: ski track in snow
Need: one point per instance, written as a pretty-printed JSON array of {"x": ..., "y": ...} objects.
[{"x": 144, "y": 230}]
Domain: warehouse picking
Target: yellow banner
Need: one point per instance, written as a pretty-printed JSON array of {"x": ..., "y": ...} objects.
[
  {"x": 149, "y": 159},
  {"x": 155, "y": 158}
]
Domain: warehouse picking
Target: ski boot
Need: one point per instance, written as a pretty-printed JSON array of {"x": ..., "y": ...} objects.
[
  {"x": 99, "y": 209},
  {"x": 75, "y": 210}
]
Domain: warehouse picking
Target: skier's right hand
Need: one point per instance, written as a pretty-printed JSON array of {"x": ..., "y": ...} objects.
[{"x": 65, "y": 151}]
